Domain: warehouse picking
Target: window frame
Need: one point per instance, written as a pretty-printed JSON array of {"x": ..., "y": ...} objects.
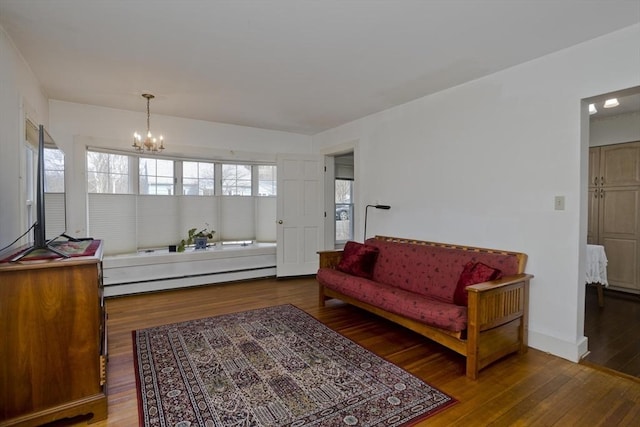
[
  {"x": 273, "y": 181},
  {"x": 344, "y": 228},
  {"x": 157, "y": 177},
  {"x": 47, "y": 171},
  {"x": 132, "y": 187},
  {"x": 236, "y": 187},
  {"x": 198, "y": 179}
]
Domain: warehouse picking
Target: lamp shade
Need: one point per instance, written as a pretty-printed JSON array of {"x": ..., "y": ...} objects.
[{"x": 366, "y": 211}]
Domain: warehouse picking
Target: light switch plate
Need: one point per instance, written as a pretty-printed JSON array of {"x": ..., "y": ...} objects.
[{"x": 559, "y": 203}]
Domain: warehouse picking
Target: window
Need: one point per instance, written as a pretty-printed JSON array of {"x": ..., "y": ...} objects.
[
  {"x": 156, "y": 176},
  {"x": 29, "y": 183},
  {"x": 197, "y": 179},
  {"x": 141, "y": 216},
  {"x": 344, "y": 210},
  {"x": 236, "y": 180},
  {"x": 267, "y": 180},
  {"x": 107, "y": 173},
  {"x": 53, "y": 170}
]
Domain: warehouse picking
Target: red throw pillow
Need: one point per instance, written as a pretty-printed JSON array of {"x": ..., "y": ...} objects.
[
  {"x": 358, "y": 259},
  {"x": 474, "y": 272}
]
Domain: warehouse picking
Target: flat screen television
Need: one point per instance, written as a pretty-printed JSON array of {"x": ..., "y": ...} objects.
[{"x": 40, "y": 241}]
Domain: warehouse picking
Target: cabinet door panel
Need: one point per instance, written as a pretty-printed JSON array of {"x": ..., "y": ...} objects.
[
  {"x": 619, "y": 210},
  {"x": 620, "y": 164},
  {"x": 619, "y": 232}
]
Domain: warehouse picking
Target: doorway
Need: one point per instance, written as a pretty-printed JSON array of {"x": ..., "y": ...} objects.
[{"x": 614, "y": 223}]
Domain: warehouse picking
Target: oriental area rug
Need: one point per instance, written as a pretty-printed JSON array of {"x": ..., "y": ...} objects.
[{"x": 275, "y": 366}]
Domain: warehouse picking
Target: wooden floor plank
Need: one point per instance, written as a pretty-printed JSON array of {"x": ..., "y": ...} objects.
[
  {"x": 612, "y": 330},
  {"x": 530, "y": 389}
]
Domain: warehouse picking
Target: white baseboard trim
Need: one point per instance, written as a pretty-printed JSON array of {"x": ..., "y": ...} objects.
[{"x": 572, "y": 351}]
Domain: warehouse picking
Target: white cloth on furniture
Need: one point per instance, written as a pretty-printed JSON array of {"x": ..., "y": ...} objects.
[{"x": 596, "y": 265}]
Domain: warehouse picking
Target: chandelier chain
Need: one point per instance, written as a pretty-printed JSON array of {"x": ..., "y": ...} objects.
[{"x": 148, "y": 117}]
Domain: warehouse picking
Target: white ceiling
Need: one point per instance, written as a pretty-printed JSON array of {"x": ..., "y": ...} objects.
[{"x": 294, "y": 65}]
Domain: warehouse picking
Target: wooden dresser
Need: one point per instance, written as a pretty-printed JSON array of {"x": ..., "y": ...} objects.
[{"x": 53, "y": 348}]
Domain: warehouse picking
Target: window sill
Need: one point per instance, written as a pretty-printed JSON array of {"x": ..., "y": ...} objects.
[{"x": 161, "y": 256}]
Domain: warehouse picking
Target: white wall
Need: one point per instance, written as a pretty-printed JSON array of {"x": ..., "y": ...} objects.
[
  {"x": 73, "y": 126},
  {"x": 480, "y": 164},
  {"x": 20, "y": 97}
]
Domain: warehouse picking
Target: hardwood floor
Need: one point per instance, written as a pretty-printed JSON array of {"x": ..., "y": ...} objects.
[
  {"x": 613, "y": 331},
  {"x": 535, "y": 389}
]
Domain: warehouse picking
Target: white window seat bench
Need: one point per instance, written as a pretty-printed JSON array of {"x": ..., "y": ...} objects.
[{"x": 161, "y": 270}]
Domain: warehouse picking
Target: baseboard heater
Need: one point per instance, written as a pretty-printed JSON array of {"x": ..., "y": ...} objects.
[{"x": 183, "y": 281}]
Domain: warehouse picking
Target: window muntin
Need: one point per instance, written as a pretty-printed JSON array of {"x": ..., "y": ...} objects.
[
  {"x": 236, "y": 180},
  {"x": 107, "y": 173},
  {"x": 156, "y": 176},
  {"x": 198, "y": 178},
  {"x": 267, "y": 180}
]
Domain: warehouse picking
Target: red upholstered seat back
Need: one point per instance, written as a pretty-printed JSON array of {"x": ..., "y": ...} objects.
[{"x": 431, "y": 270}]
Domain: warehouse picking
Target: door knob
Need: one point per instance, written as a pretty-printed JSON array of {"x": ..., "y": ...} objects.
[{"x": 280, "y": 222}]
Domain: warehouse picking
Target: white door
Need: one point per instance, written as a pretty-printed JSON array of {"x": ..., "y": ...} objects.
[{"x": 300, "y": 214}]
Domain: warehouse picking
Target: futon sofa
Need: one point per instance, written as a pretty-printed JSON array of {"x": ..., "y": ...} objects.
[{"x": 471, "y": 300}]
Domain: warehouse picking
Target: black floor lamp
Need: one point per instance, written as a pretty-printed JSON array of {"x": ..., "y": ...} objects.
[{"x": 366, "y": 211}]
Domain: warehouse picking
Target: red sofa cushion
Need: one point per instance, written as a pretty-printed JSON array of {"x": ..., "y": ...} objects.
[
  {"x": 358, "y": 259},
  {"x": 473, "y": 272},
  {"x": 395, "y": 300}
]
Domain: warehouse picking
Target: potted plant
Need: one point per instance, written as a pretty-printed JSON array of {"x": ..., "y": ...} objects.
[{"x": 200, "y": 238}]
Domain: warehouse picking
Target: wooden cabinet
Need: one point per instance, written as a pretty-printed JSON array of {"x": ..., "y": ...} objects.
[
  {"x": 53, "y": 341},
  {"x": 614, "y": 211}
]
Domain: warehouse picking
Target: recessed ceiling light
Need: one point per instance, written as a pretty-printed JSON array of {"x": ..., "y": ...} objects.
[
  {"x": 610, "y": 103},
  {"x": 592, "y": 109}
]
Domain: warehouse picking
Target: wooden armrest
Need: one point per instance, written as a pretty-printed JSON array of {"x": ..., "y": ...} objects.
[
  {"x": 498, "y": 302},
  {"x": 330, "y": 259},
  {"x": 499, "y": 283}
]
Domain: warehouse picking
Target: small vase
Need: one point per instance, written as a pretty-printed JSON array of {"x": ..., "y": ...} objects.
[{"x": 201, "y": 242}]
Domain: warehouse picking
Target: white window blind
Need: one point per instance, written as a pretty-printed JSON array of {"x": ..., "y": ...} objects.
[
  {"x": 158, "y": 221},
  {"x": 112, "y": 218},
  {"x": 237, "y": 220},
  {"x": 266, "y": 219},
  {"x": 55, "y": 219},
  {"x": 200, "y": 213}
]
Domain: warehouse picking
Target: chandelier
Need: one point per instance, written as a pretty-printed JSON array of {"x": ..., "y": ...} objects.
[{"x": 149, "y": 143}]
